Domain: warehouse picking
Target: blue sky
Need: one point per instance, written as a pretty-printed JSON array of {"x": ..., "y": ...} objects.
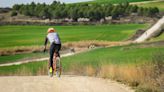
[{"x": 10, "y": 3}]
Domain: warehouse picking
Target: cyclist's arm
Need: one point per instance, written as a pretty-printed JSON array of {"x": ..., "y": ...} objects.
[
  {"x": 59, "y": 38},
  {"x": 45, "y": 43}
]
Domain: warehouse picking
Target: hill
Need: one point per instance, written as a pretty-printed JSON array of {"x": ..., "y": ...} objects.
[
  {"x": 159, "y": 4},
  {"x": 119, "y": 1}
]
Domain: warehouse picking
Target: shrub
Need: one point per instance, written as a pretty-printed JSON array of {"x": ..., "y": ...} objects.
[{"x": 14, "y": 13}]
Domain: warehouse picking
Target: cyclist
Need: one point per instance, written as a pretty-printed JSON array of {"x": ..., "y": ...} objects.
[{"x": 55, "y": 47}]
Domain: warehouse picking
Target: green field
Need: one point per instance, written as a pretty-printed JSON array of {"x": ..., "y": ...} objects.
[
  {"x": 18, "y": 57},
  {"x": 114, "y": 1},
  {"x": 120, "y": 55},
  {"x": 119, "y": 1},
  {"x": 15, "y": 36},
  {"x": 160, "y": 5},
  {"x": 159, "y": 38}
]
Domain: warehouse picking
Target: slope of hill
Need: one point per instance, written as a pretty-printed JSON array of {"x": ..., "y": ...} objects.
[
  {"x": 159, "y": 4},
  {"x": 115, "y": 1},
  {"x": 120, "y": 1}
]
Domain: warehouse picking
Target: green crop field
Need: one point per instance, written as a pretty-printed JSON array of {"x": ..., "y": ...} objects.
[
  {"x": 18, "y": 57},
  {"x": 15, "y": 36},
  {"x": 160, "y": 5},
  {"x": 119, "y": 1},
  {"x": 160, "y": 38},
  {"x": 120, "y": 55},
  {"x": 114, "y": 1}
]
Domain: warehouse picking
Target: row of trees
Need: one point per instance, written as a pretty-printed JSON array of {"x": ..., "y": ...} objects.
[{"x": 94, "y": 12}]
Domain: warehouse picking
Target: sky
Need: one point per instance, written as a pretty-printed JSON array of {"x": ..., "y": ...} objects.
[{"x": 10, "y": 3}]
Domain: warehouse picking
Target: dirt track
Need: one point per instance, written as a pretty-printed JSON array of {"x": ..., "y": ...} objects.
[
  {"x": 63, "y": 84},
  {"x": 154, "y": 30}
]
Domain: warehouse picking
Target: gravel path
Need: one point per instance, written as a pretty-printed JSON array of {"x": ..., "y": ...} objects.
[{"x": 64, "y": 84}]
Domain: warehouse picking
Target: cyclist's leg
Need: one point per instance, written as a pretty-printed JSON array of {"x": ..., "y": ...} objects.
[
  {"x": 52, "y": 50},
  {"x": 58, "y": 50},
  {"x": 56, "y": 54}
]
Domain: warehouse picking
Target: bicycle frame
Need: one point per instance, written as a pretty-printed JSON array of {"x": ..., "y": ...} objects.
[{"x": 57, "y": 67}]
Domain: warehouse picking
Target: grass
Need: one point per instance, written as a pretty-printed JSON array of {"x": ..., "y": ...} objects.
[
  {"x": 159, "y": 38},
  {"x": 115, "y": 55},
  {"x": 114, "y": 1},
  {"x": 16, "y": 36},
  {"x": 160, "y": 5},
  {"x": 25, "y": 69},
  {"x": 18, "y": 57},
  {"x": 119, "y": 1}
]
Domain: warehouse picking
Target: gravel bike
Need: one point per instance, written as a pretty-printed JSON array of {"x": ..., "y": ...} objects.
[{"x": 57, "y": 67}]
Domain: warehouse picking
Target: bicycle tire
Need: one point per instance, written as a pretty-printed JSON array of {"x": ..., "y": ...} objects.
[{"x": 58, "y": 67}]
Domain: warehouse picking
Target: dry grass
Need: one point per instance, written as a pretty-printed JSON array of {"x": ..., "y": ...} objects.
[
  {"x": 94, "y": 42},
  {"x": 19, "y": 50},
  {"x": 78, "y": 46},
  {"x": 132, "y": 75},
  {"x": 24, "y": 71},
  {"x": 90, "y": 71},
  {"x": 144, "y": 77},
  {"x": 42, "y": 70}
]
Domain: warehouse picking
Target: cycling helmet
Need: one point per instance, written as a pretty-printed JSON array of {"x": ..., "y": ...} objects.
[{"x": 51, "y": 30}]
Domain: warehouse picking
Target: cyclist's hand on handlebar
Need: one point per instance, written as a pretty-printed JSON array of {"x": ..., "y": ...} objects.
[{"x": 44, "y": 50}]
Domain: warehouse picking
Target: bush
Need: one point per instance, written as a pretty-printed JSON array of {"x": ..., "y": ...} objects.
[{"x": 14, "y": 13}]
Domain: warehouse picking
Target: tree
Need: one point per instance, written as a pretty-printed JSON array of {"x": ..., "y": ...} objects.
[
  {"x": 73, "y": 13},
  {"x": 145, "y": 11},
  {"x": 115, "y": 12},
  {"x": 93, "y": 11},
  {"x": 155, "y": 10},
  {"x": 16, "y": 7},
  {"x": 14, "y": 13},
  {"x": 108, "y": 10},
  {"x": 31, "y": 8},
  {"x": 141, "y": 11},
  {"x": 44, "y": 13},
  {"x": 134, "y": 9}
]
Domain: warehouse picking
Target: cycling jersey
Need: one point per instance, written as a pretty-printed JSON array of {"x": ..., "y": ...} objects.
[{"x": 54, "y": 38}]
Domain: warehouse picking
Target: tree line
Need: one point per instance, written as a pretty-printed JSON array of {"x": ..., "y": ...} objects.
[{"x": 94, "y": 12}]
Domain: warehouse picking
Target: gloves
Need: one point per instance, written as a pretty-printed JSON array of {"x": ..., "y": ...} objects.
[{"x": 44, "y": 50}]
